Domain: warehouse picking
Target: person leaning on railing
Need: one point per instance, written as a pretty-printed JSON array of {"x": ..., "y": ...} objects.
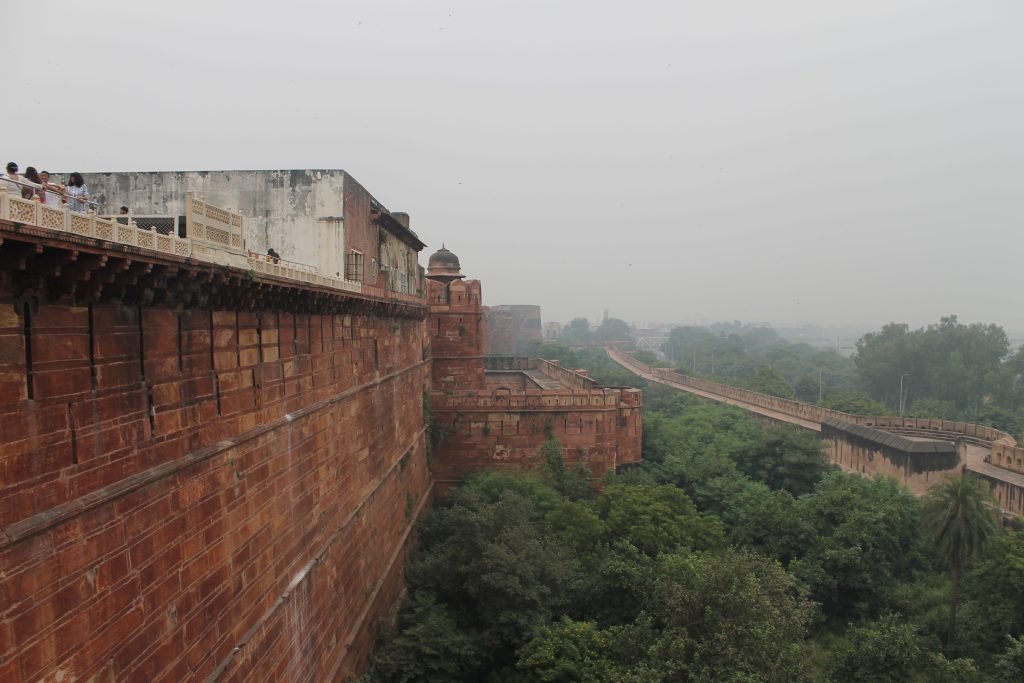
[
  {"x": 77, "y": 192},
  {"x": 53, "y": 193},
  {"x": 11, "y": 181},
  {"x": 36, "y": 190}
]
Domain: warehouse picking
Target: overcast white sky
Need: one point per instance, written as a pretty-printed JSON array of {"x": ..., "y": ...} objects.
[{"x": 825, "y": 162}]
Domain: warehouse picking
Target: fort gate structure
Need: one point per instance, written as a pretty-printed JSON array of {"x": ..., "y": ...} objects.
[
  {"x": 918, "y": 452},
  {"x": 211, "y": 459}
]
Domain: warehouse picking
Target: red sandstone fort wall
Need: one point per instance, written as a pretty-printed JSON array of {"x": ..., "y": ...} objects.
[
  {"x": 456, "y": 329},
  {"x": 223, "y": 494},
  {"x": 504, "y": 429}
]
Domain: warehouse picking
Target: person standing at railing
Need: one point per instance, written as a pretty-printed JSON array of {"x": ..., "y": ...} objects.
[
  {"x": 52, "y": 192},
  {"x": 11, "y": 181},
  {"x": 77, "y": 192},
  {"x": 36, "y": 190}
]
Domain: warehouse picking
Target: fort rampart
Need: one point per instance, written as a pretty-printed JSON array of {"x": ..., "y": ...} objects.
[
  {"x": 600, "y": 428},
  {"x": 1002, "y": 467},
  {"x": 574, "y": 379},
  {"x": 208, "y": 473}
]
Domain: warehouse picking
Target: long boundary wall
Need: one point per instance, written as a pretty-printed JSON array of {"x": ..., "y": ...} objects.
[{"x": 999, "y": 468}]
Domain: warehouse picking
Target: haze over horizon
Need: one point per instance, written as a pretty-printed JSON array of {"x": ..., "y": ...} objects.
[{"x": 793, "y": 162}]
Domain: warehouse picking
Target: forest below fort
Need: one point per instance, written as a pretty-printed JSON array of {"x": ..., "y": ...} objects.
[
  {"x": 731, "y": 553},
  {"x": 949, "y": 370}
]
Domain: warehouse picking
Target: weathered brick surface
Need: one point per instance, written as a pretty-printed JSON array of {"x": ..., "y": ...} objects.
[
  {"x": 600, "y": 428},
  {"x": 456, "y": 334},
  {"x": 203, "y": 493}
]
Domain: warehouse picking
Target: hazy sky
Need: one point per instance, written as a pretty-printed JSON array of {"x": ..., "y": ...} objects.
[{"x": 829, "y": 162}]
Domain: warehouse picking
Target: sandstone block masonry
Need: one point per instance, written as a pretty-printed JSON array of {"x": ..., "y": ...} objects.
[
  {"x": 496, "y": 412},
  {"x": 205, "y": 473}
]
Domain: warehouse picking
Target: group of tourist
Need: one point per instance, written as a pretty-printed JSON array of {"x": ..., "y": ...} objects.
[{"x": 37, "y": 185}]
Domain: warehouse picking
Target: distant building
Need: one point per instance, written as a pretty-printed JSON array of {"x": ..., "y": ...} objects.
[
  {"x": 510, "y": 329},
  {"x": 552, "y": 330},
  {"x": 322, "y": 219}
]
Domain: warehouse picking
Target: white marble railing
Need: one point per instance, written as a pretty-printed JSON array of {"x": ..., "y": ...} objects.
[
  {"x": 64, "y": 220},
  {"x": 119, "y": 231},
  {"x": 214, "y": 226}
]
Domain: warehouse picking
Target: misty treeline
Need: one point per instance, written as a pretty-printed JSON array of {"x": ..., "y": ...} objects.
[
  {"x": 948, "y": 370},
  {"x": 732, "y": 553}
]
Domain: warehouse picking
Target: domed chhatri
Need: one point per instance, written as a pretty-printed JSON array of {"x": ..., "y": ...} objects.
[{"x": 444, "y": 266}]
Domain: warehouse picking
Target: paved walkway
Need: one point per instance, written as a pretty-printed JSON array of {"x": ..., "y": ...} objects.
[{"x": 749, "y": 407}]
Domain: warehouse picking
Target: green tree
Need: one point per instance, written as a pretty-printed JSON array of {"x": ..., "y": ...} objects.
[
  {"x": 577, "y": 526},
  {"x": 889, "y": 651},
  {"x": 948, "y": 362},
  {"x": 578, "y": 330},
  {"x": 806, "y": 388},
  {"x": 958, "y": 517},
  {"x": 995, "y": 591},
  {"x": 568, "y": 652},
  {"x": 428, "y": 646},
  {"x": 656, "y": 519},
  {"x": 863, "y": 539},
  {"x": 1009, "y": 666},
  {"x": 784, "y": 458},
  {"x": 483, "y": 553},
  {"x": 727, "y": 616},
  {"x": 855, "y": 403},
  {"x": 646, "y": 357},
  {"x": 771, "y": 382},
  {"x": 574, "y": 483}
]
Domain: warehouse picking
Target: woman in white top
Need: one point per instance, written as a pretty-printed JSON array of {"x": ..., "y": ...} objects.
[
  {"x": 77, "y": 193},
  {"x": 52, "y": 191}
]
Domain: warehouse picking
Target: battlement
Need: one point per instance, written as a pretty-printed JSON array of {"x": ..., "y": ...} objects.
[
  {"x": 575, "y": 379},
  {"x": 536, "y": 399},
  {"x": 456, "y": 296}
]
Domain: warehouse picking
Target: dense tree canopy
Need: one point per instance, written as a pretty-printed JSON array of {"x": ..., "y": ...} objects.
[
  {"x": 732, "y": 553},
  {"x": 949, "y": 362}
]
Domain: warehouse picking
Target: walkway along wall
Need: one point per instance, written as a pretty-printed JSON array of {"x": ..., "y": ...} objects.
[
  {"x": 206, "y": 473},
  {"x": 871, "y": 444}
]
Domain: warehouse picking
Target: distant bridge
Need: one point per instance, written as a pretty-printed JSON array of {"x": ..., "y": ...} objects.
[{"x": 916, "y": 451}]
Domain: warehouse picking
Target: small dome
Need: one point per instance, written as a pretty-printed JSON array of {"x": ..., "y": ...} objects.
[
  {"x": 443, "y": 265},
  {"x": 442, "y": 258}
]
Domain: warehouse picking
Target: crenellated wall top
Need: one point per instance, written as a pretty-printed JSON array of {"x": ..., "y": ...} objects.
[{"x": 536, "y": 399}]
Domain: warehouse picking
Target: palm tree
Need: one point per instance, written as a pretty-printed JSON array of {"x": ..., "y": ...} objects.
[{"x": 959, "y": 515}]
